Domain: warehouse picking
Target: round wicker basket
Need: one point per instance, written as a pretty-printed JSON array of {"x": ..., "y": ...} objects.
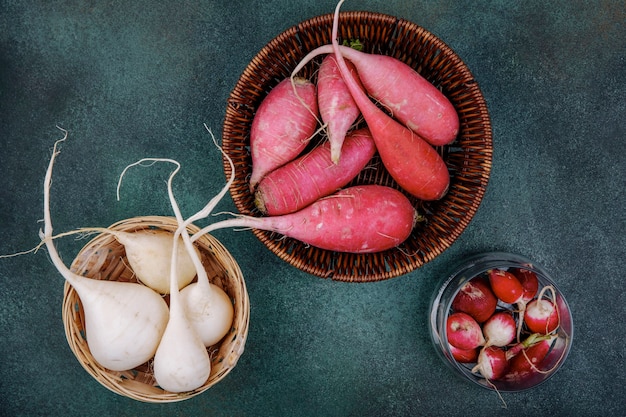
[
  {"x": 468, "y": 158},
  {"x": 105, "y": 258}
]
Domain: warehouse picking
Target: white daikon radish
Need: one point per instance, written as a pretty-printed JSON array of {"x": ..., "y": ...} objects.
[
  {"x": 181, "y": 362},
  {"x": 124, "y": 321},
  {"x": 149, "y": 254}
]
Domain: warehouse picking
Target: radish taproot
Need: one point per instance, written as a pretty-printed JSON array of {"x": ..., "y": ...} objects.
[
  {"x": 542, "y": 315},
  {"x": 492, "y": 363},
  {"x": 149, "y": 256},
  {"x": 314, "y": 175},
  {"x": 463, "y": 331},
  {"x": 464, "y": 355},
  {"x": 415, "y": 165},
  {"x": 529, "y": 281},
  {"x": 476, "y": 299},
  {"x": 506, "y": 286},
  {"x": 358, "y": 219},
  {"x": 500, "y": 329},
  {"x": 124, "y": 322},
  {"x": 282, "y": 126},
  {"x": 412, "y": 99},
  {"x": 208, "y": 308},
  {"x": 181, "y": 362},
  {"x": 529, "y": 360},
  {"x": 337, "y": 108}
]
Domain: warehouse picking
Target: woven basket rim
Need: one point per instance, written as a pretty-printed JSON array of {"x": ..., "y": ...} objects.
[
  {"x": 224, "y": 355},
  {"x": 447, "y": 218}
]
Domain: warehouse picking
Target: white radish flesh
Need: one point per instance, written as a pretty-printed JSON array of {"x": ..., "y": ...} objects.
[{"x": 124, "y": 322}]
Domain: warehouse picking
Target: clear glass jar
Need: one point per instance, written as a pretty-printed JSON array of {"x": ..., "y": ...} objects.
[{"x": 441, "y": 306}]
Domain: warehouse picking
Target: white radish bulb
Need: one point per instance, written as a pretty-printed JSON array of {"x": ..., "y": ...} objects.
[
  {"x": 124, "y": 322},
  {"x": 181, "y": 362},
  {"x": 149, "y": 253},
  {"x": 210, "y": 312}
]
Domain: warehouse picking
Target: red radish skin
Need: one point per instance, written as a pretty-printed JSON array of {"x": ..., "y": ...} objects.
[
  {"x": 463, "y": 355},
  {"x": 359, "y": 219},
  {"x": 542, "y": 316},
  {"x": 314, "y": 175},
  {"x": 505, "y": 286},
  {"x": 476, "y": 299},
  {"x": 415, "y": 165},
  {"x": 529, "y": 360},
  {"x": 412, "y": 99},
  {"x": 282, "y": 126},
  {"x": 463, "y": 331},
  {"x": 336, "y": 105},
  {"x": 529, "y": 282},
  {"x": 500, "y": 329},
  {"x": 492, "y": 363}
]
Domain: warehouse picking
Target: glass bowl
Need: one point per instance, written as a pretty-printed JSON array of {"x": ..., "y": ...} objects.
[{"x": 479, "y": 265}]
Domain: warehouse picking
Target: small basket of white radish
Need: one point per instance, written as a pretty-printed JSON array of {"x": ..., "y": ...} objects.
[
  {"x": 428, "y": 136},
  {"x": 154, "y": 308},
  {"x": 105, "y": 258},
  {"x": 500, "y": 321}
]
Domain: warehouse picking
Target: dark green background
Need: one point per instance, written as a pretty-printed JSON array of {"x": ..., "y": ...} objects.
[{"x": 132, "y": 79}]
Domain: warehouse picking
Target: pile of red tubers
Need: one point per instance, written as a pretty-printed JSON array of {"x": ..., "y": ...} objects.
[{"x": 504, "y": 324}]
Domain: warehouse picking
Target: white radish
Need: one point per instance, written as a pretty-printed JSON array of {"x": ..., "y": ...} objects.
[
  {"x": 181, "y": 362},
  {"x": 124, "y": 322},
  {"x": 209, "y": 309},
  {"x": 149, "y": 253}
]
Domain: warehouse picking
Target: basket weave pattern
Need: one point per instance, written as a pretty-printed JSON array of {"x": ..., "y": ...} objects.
[
  {"x": 105, "y": 258},
  {"x": 468, "y": 158}
]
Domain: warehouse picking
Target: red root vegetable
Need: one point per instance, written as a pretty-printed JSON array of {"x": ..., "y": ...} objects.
[
  {"x": 464, "y": 355},
  {"x": 500, "y": 329},
  {"x": 463, "y": 331},
  {"x": 314, "y": 175},
  {"x": 542, "y": 315},
  {"x": 336, "y": 105},
  {"x": 412, "y": 99},
  {"x": 506, "y": 286},
  {"x": 359, "y": 219},
  {"x": 282, "y": 126},
  {"x": 529, "y": 360},
  {"x": 492, "y": 363},
  {"x": 476, "y": 299},
  {"x": 529, "y": 282},
  {"x": 415, "y": 165}
]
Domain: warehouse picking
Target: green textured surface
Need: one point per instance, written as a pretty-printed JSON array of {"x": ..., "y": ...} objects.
[{"x": 137, "y": 79}]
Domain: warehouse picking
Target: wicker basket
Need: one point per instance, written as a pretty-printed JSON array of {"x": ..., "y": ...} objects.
[
  {"x": 139, "y": 383},
  {"x": 468, "y": 158}
]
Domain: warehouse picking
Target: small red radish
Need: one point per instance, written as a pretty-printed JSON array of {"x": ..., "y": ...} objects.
[
  {"x": 529, "y": 282},
  {"x": 463, "y": 355},
  {"x": 492, "y": 363},
  {"x": 282, "y": 126},
  {"x": 476, "y": 299},
  {"x": 336, "y": 105},
  {"x": 500, "y": 329},
  {"x": 529, "y": 341},
  {"x": 415, "y": 165},
  {"x": 463, "y": 331},
  {"x": 506, "y": 286},
  {"x": 302, "y": 181},
  {"x": 359, "y": 219},
  {"x": 528, "y": 361},
  {"x": 542, "y": 315}
]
